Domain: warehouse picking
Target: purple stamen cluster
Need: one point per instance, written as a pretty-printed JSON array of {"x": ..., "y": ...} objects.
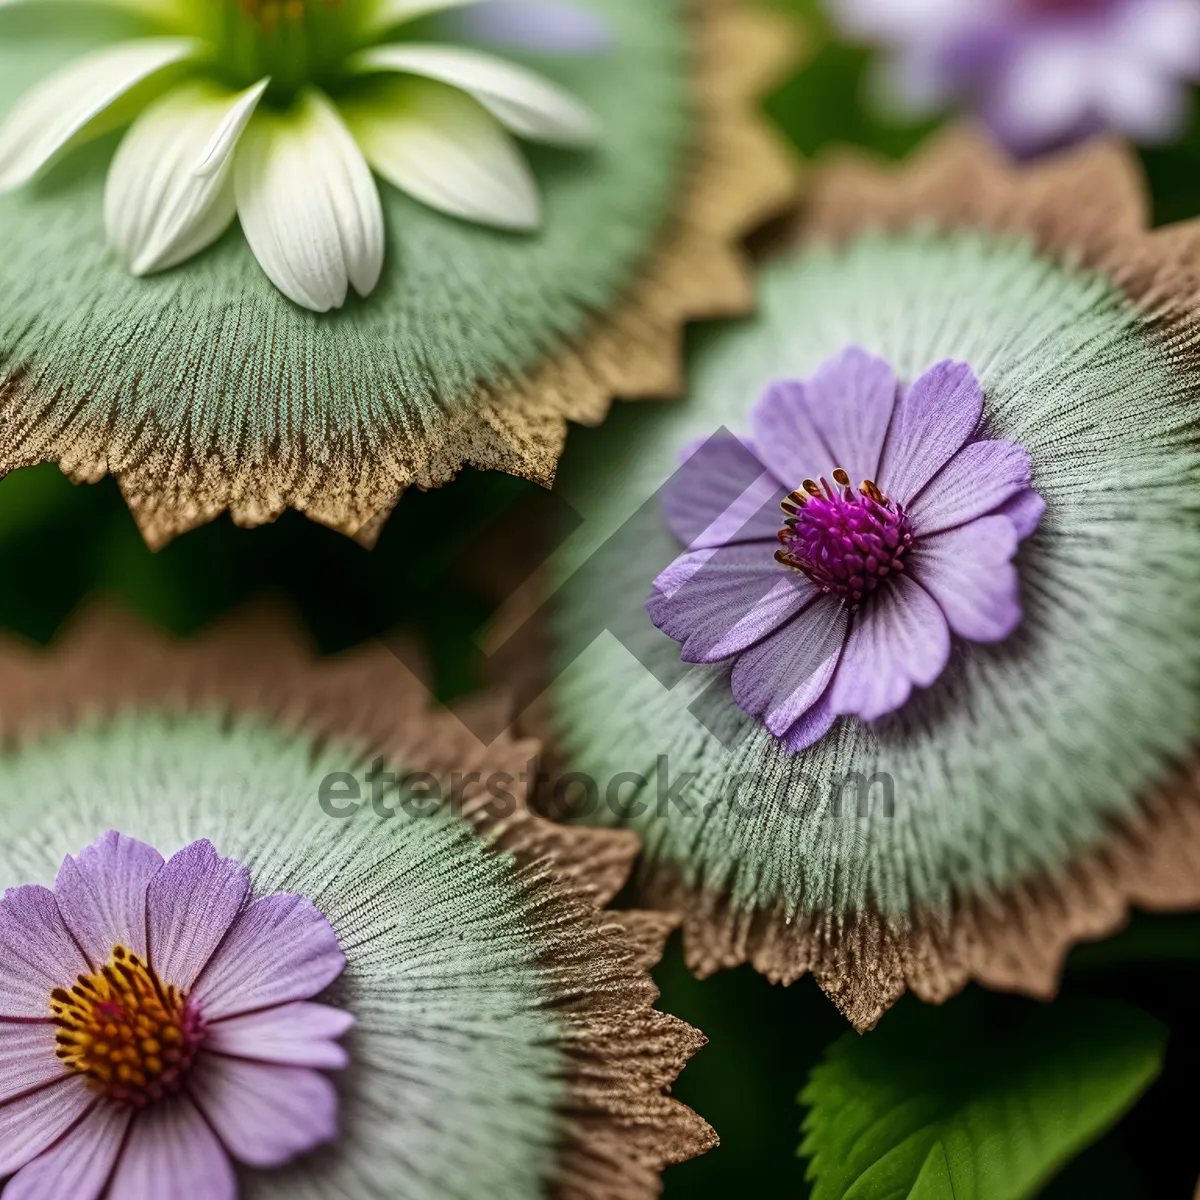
[{"x": 846, "y": 542}]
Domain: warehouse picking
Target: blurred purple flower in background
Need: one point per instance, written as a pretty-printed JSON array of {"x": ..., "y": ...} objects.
[
  {"x": 1041, "y": 73},
  {"x": 554, "y": 26}
]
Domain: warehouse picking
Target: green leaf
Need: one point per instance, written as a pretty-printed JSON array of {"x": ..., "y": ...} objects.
[{"x": 938, "y": 1104}]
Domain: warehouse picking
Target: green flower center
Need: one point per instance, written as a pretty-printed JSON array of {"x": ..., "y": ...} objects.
[{"x": 294, "y": 42}]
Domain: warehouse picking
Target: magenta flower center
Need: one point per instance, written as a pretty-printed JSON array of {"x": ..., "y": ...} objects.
[
  {"x": 1064, "y": 8},
  {"x": 846, "y": 542},
  {"x": 132, "y": 1036}
]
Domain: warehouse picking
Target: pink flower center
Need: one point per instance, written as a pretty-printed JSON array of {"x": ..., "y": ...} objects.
[
  {"x": 846, "y": 542},
  {"x": 133, "y": 1037}
]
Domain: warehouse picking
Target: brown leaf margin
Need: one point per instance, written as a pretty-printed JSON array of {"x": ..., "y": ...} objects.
[
  {"x": 740, "y": 176},
  {"x": 621, "y": 1126},
  {"x": 1089, "y": 209}
]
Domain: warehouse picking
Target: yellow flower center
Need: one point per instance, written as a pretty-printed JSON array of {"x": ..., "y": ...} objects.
[{"x": 131, "y": 1035}]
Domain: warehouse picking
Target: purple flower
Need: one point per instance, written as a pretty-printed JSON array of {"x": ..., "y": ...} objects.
[
  {"x": 554, "y": 26},
  {"x": 1040, "y": 72},
  {"x": 154, "y": 1025},
  {"x": 845, "y": 600}
]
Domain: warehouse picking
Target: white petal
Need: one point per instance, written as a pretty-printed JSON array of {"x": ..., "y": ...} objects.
[
  {"x": 528, "y": 104},
  {"x": 445, "y": 149},
  {"x": 80, "y": 101},
  {"x": 170, "y": 190},
  {"x": 308, "y": 205},
  {"x": 380, "y": 15}
]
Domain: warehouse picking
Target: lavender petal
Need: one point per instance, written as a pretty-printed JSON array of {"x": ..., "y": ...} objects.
[
  {"x": 280, "y": 949},
  {"x": 190, "y": 905},
  {"x": 298, "y": 1035},
  {"x": 838, "y": 418},
  {"x": 970, "y": 573},
  {"x": 171, "y": 1151},
  {"x": 27, "y": 1056},
  {"x": 716, "y": 603},
  {"x": 1163, "y": 33},
  {"x": 783, "y": 676},
  {"x": 899, "y": 640},
  {"x": 722, "y": 493},
  {"x": 1142, "y": 102},
  {"x": 1042, "y": 94},
  {"x": 101, "y": 893},
  {"x": 932, "y": 420},
  {"x": 812, "y": 726},
  {"x": 78, "y": 1165},
  {"x": 32, "y": 1123},
  {"x": 37, "y": 951},
  {"x": 978, "y": 479},
  {"x": 265, "y": 1114},
  {"x": 1024, "y": 510}
]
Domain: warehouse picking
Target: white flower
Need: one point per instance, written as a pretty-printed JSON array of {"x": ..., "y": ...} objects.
[{"x": 276, "y": 111}]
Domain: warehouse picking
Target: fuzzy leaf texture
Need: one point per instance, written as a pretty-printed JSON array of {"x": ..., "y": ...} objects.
[{"x": 936, "y": 1105}]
